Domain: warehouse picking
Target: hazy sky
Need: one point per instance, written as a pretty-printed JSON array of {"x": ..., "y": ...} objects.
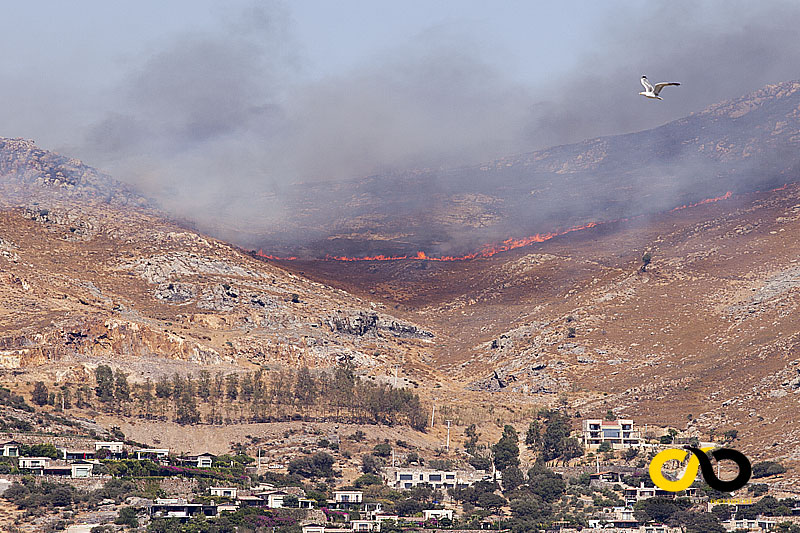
[{"x": 207, "y": 105}]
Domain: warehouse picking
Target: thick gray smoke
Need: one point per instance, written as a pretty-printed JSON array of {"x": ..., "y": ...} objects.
[{"x": 216, "y": 125}]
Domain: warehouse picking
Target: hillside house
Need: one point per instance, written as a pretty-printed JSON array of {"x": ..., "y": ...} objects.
[
  {"x": 313, "y": 528},
  {"x": 113, "y": 448},
  {"x": 275, "y": 499},
  {"x": 618, "y": 433},
  {"x": 205, "y": 460},
  {"x": 11, "y": 449},
  {"x": 407, "y": 478},
  {"x": 75, "y": 455},
  {"x": 365, "y": 525},
  {"x": 154, "y": 454},
  {"x": 180, "y": 508},
  {"x": 347, "y": 499},
  {"x": 250, "y": 501},
  {"x": 224, "y": 492},
  {"x": 758, "y": 524},
  {"x": 437, "y": 514},
  {"x": 81, "y": 469},
  {"x": 34, "y": 463}
]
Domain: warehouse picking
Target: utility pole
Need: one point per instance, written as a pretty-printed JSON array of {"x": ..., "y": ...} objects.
[{"x": 448, "y": 436}]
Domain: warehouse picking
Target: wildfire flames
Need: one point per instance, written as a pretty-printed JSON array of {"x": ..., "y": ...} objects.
[{"x": 489, "y": 250}]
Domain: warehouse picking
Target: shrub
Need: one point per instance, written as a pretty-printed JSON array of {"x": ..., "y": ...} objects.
[
  {"x": 127, "y": 517},
  {"x": 318, "y": 465},
  {"x": 382, "y": 450},
  {"x": 767, "y": 468}
]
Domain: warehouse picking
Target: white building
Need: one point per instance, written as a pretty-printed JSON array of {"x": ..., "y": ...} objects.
[
  {"x": 437, "y": 514},
  {"x": 407, "y": 478},
  {"x": 275, "y": 499},
  {"x": 34, "y": 463},
  {"x": 81, "y": 469},
  {"x": 618, "y": 433},
  {"x": 365, "y": 525},
  {"x": 11, "y": 449},
  {"x": 205, "y": 460},
  {"x": 113, "y": 447},
  {"x": 224, "y": 492},
  {"x": 152, "y": 453},
  {"x": 347, "y": 497},
  {"x": 758, "y": 524}
]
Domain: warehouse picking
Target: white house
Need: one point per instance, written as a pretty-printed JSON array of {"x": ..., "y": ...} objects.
[
  {"x": 275, "y": 499},
  {"x": 437, "y": 514},
  {"x": 34, "y": 463},
  {"x": 81, "y": 469},
  {"x": 365, "y": 525},
  {"x": 11, "y": 449},
  {"x": 205, "y": 460},
  {"x": 313, "y": 528},
  {"x": 758, "y": 524},
  {"x": 152, "y": 453},
  {"x": 225, "y": 492},
  {"x": 407, "y": 478},
  {"x": 618, "y": 433},
  {"x": 348, "y": 496},
  {"x": 113, "y": 447}
]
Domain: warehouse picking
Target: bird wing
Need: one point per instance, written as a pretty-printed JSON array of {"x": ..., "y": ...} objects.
[
  {"x": 647, "y": 86},
  {"x": 663, "y": 84}
]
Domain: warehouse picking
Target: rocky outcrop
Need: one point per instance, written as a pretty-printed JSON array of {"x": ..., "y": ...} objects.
[
  {"x": 361, "y": 323},
  {"x": 171, "y": 266},
  {"x": 70, "y": 225}
]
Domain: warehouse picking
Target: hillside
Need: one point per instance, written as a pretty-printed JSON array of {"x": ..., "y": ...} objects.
[
  {"x": 89, "y": 274},
  {"x": 747, "y": 144},
  {"x": 705, "y": 339}
]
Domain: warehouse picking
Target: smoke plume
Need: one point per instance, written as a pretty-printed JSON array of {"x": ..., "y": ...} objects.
[{"x": 219, "y": 125}]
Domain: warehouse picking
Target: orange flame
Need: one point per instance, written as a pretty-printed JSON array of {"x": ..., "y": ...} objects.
[{"x": 488, "y": 250}]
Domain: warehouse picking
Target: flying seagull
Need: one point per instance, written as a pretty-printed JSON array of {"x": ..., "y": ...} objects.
[{"x": 652, "y": 92}]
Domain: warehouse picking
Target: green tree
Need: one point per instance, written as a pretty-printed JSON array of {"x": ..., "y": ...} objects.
[
  {"x": 40, "y": 393},
  {"x": 491, "y": 501},
  {"x": 371, "y": 464},
  {"x": 305, "y": 388},
  {"x": 163, "y": 387},
  {"x": 66, "y": 397},
  {"x": 534, "y": 434},
  {"x": 186, "y": 412},
  {"x": 506, "y": 451},
  {"x": 696, "y": 522},
  {"x": 204, "y": 385},
  {"x": 122, "y": 390},
  {"x": 383, "y": 449},
  {"x": 512, "y": 478},
  {"x": 232, "y": 386},
  {"x": 104, "y": 379},
  {"x": 767, "y": 468},
  {"x": 318, "y": 465},
  {"x": 127, "y": 517}
]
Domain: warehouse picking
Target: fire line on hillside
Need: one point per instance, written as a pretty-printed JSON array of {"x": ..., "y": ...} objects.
[{"x": 490, "y": 250}]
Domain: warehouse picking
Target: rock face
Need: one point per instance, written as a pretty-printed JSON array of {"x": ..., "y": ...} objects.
[{"x": 362, "y": 323}]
